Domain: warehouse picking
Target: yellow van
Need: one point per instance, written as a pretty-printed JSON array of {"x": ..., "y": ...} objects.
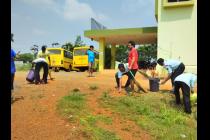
[
  {"x": 60, "y": 59},
  {"x": 80, "y": 58}
]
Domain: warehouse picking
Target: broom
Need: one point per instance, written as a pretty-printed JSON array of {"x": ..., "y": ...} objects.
[
  {"x": 139, "y": 86},
  {"x": 144, "y": 74}
]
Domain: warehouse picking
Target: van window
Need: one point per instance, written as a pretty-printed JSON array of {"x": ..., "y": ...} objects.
[
  {"x": 80, "y": 52},
  {"x": 68, "y": 54},
  {"x": 54, "y": 51}
]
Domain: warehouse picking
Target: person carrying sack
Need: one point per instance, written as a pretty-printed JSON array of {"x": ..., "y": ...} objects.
[{"x": 40, "y": 63}]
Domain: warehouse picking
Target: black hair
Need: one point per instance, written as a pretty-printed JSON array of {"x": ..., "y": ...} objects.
[
  {"x": 132, "y": 43},
  {"x": 153, "y": 64},
  {"x": 91, "y": 46},
  {"x": 160, "y": 61},
  {"x": 44, "y": 48},
  {"x": 120, "y": 66}
]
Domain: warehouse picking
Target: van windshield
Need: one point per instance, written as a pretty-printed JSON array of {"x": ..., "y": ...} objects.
[
  {"x": 54, "y": 51},
  {"x": 80, "y": 52}
]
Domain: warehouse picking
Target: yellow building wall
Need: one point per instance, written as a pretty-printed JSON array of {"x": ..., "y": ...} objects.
[{"x": 177, "y": 34}]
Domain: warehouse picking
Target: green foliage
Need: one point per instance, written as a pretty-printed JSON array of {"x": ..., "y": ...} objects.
[
  {"x": 75, "y": 109},
  {"x": 147, "y": 52},
  {"x": 154, "y": 114},
  {"x": 26, "y": 57},
  {"x": 122, "y": 53},
  {"x": 68, "y": 46},
  {"x": 97, "y": 133},
  {"x": 72, "y": 106},
  {"x": 55, "y": 44},
  {"x": 23, "y": 67}
]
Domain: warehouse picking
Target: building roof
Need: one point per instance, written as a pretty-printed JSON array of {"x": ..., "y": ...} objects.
[{"x": 143, "y": 35}]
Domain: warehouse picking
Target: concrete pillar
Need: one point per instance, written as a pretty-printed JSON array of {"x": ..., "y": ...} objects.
[
  {"x": 113, "y": 54},
  {"x": 101, "y": 53}
]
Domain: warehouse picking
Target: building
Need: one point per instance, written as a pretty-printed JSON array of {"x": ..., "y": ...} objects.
[
  {"x": 177, "y": 31},
  {"x": 175, "y": 35}
]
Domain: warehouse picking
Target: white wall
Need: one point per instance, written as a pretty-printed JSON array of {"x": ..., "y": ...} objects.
[{"x": 177, "y": 34}]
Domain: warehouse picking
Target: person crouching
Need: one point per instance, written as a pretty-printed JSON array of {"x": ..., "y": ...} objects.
[{"x": 40, "y": 63}]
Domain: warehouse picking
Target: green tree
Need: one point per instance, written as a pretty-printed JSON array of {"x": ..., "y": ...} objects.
[
  {"x": 122, "y": 54},
  {"x": 35, "y": 49},
  {"x": 26, "y": 57},
  {"x": 68, "y": 46},
  {"x": 55, "y": 44},
  {"x": 78, "y": 42},
  {"x": 147, "y": 52}
]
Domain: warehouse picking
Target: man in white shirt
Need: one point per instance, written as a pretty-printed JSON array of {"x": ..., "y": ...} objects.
[
  {"x": 186, "y": 82},
  {"x": 174, "y": 68},
  {"x": 118, "y": 76},
  {"x": 40, "y": 62},
  {"x": 123, "y": 70}
]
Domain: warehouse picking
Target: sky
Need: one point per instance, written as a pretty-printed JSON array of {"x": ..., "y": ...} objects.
[{"x": 43, "y": 22}]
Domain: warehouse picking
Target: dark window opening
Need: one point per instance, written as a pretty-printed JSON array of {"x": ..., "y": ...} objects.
[
  {"x": 68, "y": 54},
  {"x": 54, "y": 51}
]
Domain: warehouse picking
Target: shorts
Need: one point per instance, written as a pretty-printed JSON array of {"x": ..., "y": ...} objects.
[
  {"x": 90, "y": 64},
  {"x": 132, "y": 76}
]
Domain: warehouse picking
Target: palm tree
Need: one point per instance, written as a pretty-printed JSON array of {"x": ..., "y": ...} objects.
[
  {"x": 55, "y": 44},
  {"x": 78, "y": 42},
  {"x": 35, "y": 49},
  {"x": 68, "y": 46}
]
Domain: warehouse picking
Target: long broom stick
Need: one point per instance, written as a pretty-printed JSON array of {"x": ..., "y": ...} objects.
[{"x": 139, "y": 86}]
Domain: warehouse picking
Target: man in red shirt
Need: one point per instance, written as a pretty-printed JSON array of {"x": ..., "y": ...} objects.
[
  {"x": 133, "y": 67},
  {"x": 132, "y": 64}
]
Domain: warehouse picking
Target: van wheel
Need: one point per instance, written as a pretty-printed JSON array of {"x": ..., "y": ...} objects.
[
  {"x": 70, "y": 68},
  {"x": 82, "y": 70},
  {"x": 56, "y": 69}
]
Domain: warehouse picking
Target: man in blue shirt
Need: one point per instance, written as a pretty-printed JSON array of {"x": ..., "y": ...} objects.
[
  {"x": 186, "y": 82},
  {"x": 174, "y": 68},
  {"x": 13, "y": 69},
  {"x": 91, "y": 60}
]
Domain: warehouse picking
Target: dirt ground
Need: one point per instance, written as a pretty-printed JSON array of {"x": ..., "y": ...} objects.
[{"x": 34, "y": 116}]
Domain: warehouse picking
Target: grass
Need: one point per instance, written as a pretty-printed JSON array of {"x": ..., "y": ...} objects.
[
  {"x": 72, "y": 105},
  {"x": 74, "y": 108},
  {"x": 156, "y": 113},
  {"x": 98, "y": 133},
  {"x": 93, "y": 87}
]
